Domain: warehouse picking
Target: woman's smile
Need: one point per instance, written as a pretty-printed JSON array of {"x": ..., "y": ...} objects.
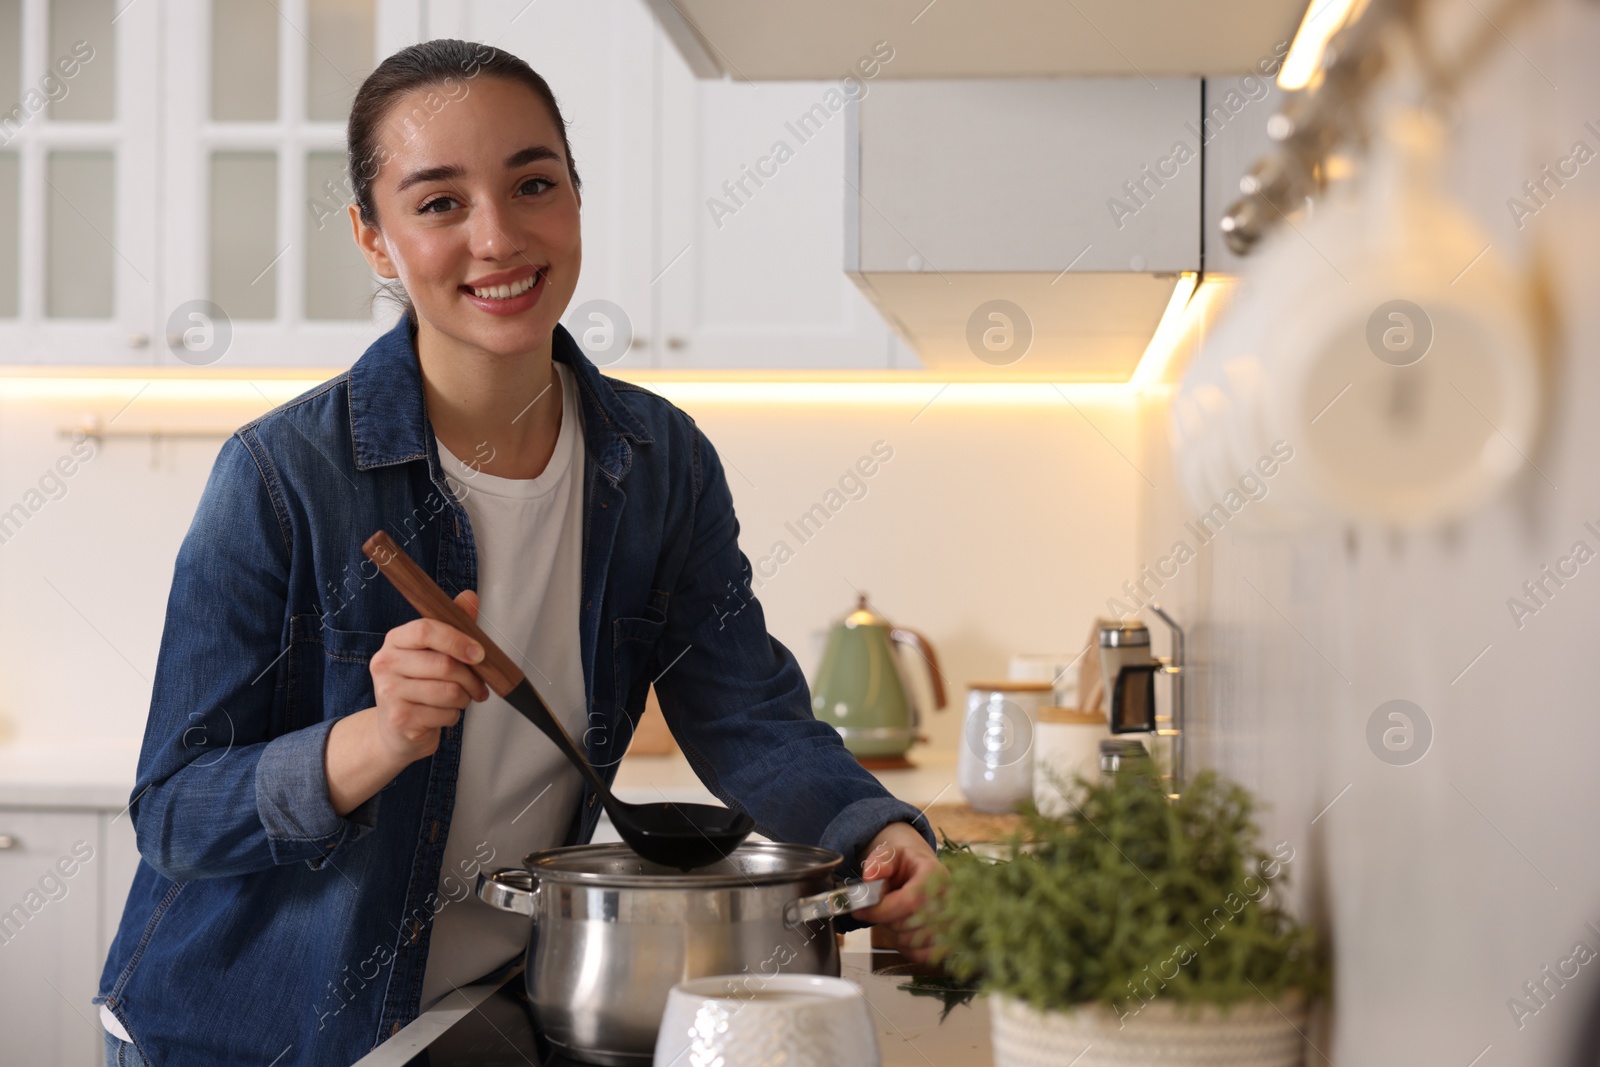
[{"x": 501, "y": 297}]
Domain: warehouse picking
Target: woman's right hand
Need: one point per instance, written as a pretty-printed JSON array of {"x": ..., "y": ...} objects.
[
  {"x": 422, "y": 682},
  {"x": 421, "y": 679}
]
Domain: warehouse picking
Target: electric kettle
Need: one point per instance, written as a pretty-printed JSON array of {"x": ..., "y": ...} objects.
[{"x": 859, "y": 689}]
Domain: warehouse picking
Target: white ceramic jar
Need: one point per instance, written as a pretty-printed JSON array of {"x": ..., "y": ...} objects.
[
  {"x": 994, "y": 766},
  {"x": 1066, "y": 741}
]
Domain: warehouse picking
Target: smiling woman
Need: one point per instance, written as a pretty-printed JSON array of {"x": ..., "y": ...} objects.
[{"x": 585, "y": 523}]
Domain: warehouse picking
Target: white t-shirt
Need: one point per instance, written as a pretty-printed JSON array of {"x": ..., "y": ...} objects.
[{"x": 515, "y": 792}]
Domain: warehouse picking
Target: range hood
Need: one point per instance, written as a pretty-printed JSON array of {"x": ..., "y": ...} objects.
[{"x": 1025, "y": 227}]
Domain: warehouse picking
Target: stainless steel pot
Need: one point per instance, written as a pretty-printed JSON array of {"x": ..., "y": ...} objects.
[{"x": 613, "y": 933}]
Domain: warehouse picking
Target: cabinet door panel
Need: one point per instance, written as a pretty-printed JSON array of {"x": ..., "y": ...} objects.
[
  {"x": 753, "y": 228},
  {"x": 269, "y": 245},
  {"x": 760, "y": 286},
  {"x": 82, "y": 210},
  {"x": 50, "y": 870}
]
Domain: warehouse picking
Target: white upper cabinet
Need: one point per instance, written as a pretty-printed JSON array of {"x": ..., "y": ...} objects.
[
  {"x": 173, "y": 187},
  {"x": 750, "y": 251},
  {"x": 259, "y": 265},
  {"x": 171, "y": 179},
  {"x": 597, "y": 57},
  {"x": 79, "y": 179},
  {"x": 712, "y": 265}
]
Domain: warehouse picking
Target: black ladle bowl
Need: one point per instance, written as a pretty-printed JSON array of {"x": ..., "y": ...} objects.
[{"x": 684, "y": 836}]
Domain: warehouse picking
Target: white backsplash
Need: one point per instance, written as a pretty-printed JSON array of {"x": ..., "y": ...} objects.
[{"x": 988, "y": 529}]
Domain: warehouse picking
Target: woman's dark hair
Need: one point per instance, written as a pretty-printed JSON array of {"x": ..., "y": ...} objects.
[{"x": 448, "y": 66}]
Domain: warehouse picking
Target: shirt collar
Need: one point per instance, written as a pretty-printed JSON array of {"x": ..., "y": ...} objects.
[{"x": 389, "y": 416}]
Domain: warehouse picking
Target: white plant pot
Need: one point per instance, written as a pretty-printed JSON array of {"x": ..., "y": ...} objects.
[{"x": 1161, "y": 1034}]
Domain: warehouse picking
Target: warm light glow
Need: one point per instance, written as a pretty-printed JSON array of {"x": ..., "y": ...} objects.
[
  {"x": 158, "y": 388},
  {"x": 1322, "y": 20},
  {"x": 772, "y": 388},
  {"x": 885, "y": 394},
  {"x": 1158, "y": 353}
]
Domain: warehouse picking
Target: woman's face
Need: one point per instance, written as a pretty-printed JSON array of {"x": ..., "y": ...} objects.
[{"x": 478, "y": 197}]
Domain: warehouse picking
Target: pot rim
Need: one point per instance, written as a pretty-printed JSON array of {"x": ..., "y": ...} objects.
[{"x": 805, "y": 861}]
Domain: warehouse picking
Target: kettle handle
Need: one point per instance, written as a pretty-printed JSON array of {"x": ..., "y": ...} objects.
[{"x": 905, "y": 636}]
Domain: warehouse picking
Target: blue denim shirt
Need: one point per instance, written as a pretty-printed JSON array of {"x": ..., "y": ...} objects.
[{"x": 264, "y": 927}]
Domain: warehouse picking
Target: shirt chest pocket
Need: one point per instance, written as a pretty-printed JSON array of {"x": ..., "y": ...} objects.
[
  {"x": 347, "y": 670},
  {"x": 634, "y": 643}
]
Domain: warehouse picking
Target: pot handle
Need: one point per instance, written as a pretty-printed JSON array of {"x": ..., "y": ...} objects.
[
  {"x": 510, "y": 889},
  {"x": 839, "y": 901}
]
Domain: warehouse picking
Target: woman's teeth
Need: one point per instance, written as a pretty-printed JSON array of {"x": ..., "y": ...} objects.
[{"x": 506, "y": 292}]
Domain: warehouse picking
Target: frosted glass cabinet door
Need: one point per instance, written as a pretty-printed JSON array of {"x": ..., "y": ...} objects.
[
  {"x": 338, "y": 284},
  {"x": 10, "y": 58},
  {"x": 10, "y": 233},
  {"x": 256, "y": 191},
  {"x": 342, "y": 36},
  {"x": 78, "y": 224},
  {"x": 244, "y": 61},
  {"x": 10, "y": 167},
  {"x": 90, "y": 95},
  {"x": 244, "y": 234},
  {"x": 79, "y": 206}
]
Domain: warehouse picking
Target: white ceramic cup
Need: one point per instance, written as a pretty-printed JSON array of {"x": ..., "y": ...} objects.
[{"x": 749, "y": 1020}]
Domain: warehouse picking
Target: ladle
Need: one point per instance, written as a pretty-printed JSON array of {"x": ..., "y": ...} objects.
[{"x": 674, "y": 835}]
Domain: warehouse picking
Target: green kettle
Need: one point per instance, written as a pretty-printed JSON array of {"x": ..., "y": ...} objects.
[{"x": 859, "y": 690}]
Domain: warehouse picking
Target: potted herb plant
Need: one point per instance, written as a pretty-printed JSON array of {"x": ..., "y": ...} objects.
[{"x": 1134, "y": 930}]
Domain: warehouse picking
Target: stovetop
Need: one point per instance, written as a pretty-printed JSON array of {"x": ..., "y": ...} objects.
[
  {"x": 500, "y": 1031},
  {"x": 921, "y": 1022}
]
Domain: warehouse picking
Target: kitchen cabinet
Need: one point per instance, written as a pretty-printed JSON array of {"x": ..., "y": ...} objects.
[
  {"x": 139, "y": 128},
  {"x": 79, "y": 173},
  {"x": 64, "y": 874},
  {"x": 713, "y": 268},
  {"x": 183, "y": 201},
  {"x": 256, "y": 249},
  {"x": 752, "y": 232}
]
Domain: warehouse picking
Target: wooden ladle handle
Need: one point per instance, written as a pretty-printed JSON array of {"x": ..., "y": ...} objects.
[{"x": 498, "y": 670}]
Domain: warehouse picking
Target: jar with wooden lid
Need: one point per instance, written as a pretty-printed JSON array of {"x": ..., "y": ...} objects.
[{"x": 1066, "y": 742}]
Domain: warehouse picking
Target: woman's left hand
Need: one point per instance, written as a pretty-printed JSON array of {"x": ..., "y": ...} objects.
[{"x": 901, "y": 857}]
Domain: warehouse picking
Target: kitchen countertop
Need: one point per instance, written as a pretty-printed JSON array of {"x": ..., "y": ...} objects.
[
  {"x": 641, "y": 779},
  {"x": 489, "y": 1024},
  {"x": 60, "y": 775}
]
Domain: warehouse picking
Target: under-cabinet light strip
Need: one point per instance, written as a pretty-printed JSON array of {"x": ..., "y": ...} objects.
[{"x": 779, "y": 388}]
